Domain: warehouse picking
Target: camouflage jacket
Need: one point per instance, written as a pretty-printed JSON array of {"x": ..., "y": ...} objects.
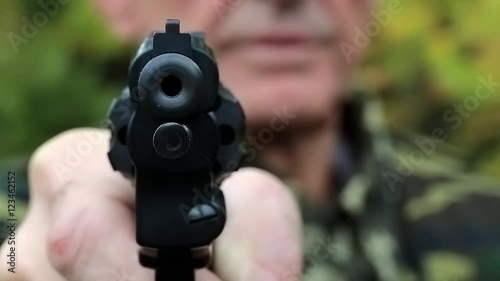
[
  {"x": 406, "y": 215},
  {"x": 401, "y": 213}
]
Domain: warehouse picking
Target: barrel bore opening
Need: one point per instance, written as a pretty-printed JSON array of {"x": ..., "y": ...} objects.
[{"x": 171, "y": 85}]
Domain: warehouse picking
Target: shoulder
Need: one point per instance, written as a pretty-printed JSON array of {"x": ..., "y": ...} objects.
[{"x": 448, "y": 218}]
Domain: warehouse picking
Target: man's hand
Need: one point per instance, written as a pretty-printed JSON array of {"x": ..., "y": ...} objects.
[{"x": 80, "y": 224}]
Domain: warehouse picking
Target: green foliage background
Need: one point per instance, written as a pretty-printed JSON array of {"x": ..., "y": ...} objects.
[
  {"x": 428, "y": 58},
  {"x": 63, "y": 77}
]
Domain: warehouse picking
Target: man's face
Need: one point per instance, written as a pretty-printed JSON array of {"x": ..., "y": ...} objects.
[{"x": 272, "y": 54}]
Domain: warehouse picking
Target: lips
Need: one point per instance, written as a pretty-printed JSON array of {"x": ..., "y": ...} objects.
[
  {"x": 277, "y": 38},
  {"x": 276, "y": 48},
  {"x": 280, "y": 41},
  {"x": 283, "y": 41}
]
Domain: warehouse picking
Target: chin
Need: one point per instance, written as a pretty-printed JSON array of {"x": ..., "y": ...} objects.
[
  {"x": 295, "y": 104},
  {"x": 308, "y": 93}
]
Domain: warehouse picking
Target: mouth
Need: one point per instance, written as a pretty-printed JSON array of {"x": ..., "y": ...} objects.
[
  {"x": 277, "y": 48},
  {"x": 281, "y": 42},
  {"x": 279, "y": 38}
]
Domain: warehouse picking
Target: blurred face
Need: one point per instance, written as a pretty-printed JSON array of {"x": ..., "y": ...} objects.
[{"x": 272, "y": 54}]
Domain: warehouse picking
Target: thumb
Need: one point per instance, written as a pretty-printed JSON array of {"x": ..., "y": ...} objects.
[{"x": 262, "y": 238}]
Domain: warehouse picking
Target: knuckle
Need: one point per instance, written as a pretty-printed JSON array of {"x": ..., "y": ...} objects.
[
  {"x": 61, "y": 250},
  {"x": 53, "y": 163},
  {"x": 69, "y": 236},
  {"x": 80, "y": 224},
  {"x": 61, "y": 238}
]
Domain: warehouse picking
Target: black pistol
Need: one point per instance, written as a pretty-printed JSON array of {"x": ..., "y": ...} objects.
[{"x": 175, "y": 129}]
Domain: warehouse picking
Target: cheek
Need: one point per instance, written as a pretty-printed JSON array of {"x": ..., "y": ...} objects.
[
  {"x": 350, "y": 16},
  {"x": 127, "y": 19},
  {"x": 349, "y": 13}
]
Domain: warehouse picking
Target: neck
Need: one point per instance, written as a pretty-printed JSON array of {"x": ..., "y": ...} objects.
[{"x": 305, "y": 155}]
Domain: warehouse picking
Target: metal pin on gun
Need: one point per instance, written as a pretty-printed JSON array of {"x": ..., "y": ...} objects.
[{"x": 173, "y": 128}]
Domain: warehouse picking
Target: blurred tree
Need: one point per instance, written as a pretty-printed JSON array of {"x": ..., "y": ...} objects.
[
  {"x": 428, "y": 60},
  {"x": 57, "y": 74}
]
